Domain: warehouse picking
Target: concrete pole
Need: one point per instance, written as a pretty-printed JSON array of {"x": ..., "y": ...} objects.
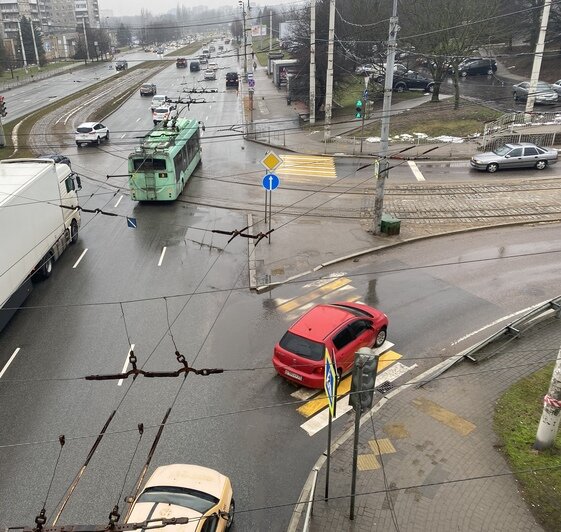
[
  {"x": 86, "y": 40},
  {"x": 35, "y": 46},
  {"x": 270, "y": 31},
  {"x": 551, "y": 415},
  {"x": 244, "y": 43},
  {"x": 329, "y": 77},
  {"x": 385, "y": 123},
  {"x": 22, "y": 47},
  {"x": 312, "y": 104},
  {"x": 538, "y": 55}
]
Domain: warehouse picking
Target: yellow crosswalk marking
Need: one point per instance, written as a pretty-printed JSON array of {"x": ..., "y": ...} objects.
[
  {"x": 318, "y": 292},
  {"x": 303, "y": 165},
  {"x": 320, "y": 402}
]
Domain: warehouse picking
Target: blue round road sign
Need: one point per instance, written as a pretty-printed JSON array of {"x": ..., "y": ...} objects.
[{"x": 271, "y": 181}]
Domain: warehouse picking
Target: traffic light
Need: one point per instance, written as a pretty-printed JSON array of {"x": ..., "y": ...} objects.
[
  {"x": 3, "y": 111},
  {"x": 358, "y": 109},
  {"x": 363, "y": 379}
]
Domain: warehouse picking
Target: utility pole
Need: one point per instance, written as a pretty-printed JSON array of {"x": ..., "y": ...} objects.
[
  {"x": 270, "y": 31},
  {"x": 549, "y": 422},
  {"x": 242, "y": 5},
  {"x": 24, "y": 56},
  {"x": 86, "y": 40},
  {"x": 329, "y": 77},
  {"x": 312, "y": 104},
  {"x": 35, "y": 45},
  {"x": 385, "y": 125},
  {"x": 538, "y": 55}
]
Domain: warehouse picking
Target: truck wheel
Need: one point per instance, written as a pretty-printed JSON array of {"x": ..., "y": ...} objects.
[
  {"x": 44, "y": 268},
  {"x": 74, "y": 232}
]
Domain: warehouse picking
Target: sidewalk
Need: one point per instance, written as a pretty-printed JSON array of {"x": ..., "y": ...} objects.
[{"x": 441, "y": 468}]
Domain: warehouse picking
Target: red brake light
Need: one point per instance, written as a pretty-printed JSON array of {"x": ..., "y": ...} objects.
[{"x": 318, "y": 370}]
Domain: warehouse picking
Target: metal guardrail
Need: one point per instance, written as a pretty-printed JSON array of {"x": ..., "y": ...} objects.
[
  {"x": 508, "y": 333},
  {"x": 541, "y": 139},
  {"x": 310, "y": 506}
]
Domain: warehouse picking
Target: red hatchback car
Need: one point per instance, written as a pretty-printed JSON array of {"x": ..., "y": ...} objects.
[{"x": 342, "y": 328}]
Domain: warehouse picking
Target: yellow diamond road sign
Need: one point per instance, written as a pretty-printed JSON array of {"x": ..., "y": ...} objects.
[{"x": 271, "y": 161}]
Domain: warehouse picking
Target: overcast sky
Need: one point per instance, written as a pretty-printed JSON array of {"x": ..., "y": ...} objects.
[{"x": 158, "y": 7}]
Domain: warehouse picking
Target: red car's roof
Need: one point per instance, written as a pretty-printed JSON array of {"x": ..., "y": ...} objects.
[{"x": 320, "y": 321}]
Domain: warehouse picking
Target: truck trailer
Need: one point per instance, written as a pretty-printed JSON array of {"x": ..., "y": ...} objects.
[{"x": 39, "y": 218}]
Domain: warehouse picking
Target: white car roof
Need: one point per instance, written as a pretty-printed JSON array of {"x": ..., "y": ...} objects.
[{"x": 88, "y": 124}]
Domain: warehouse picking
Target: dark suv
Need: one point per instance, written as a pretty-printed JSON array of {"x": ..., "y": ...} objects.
[
  {"x": 477, "y": 65},
  {"x": 121, "y": 64},
  {"x": 181, "y": 62},
  {"x": 232, "y": 79},
  {"x": 411, "y": 80},
  {"x": 195, "y": 66}
]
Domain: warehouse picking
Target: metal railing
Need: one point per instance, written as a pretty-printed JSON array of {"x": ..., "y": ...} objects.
[
  {"x": 546, "y": 139},
  {"x": 310, "y": 505},
  {"x": 266, "y": 134}
]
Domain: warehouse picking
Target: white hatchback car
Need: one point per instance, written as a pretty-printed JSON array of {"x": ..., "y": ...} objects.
[
  {"x": 164, "y": 112},
  {"x": 158, "y": 100},
  {"x": 91, "y": 133},
  {"x": 210, "y": 74},
  {"x": 212, "y": 65}
]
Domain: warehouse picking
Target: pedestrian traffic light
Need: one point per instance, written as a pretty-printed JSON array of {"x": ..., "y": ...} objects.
[
  {"x": 358, "y": 109},
  {"x": 3, "y": 111},
  {"x": 363, "y": 379}
]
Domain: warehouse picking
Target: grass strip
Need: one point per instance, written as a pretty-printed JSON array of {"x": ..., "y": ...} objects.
[
  {"x": 186, "y": 50},
  {"x": 517, "y": 416}
]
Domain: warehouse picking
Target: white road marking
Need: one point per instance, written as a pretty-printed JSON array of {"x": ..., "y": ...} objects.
[
  {"x": 126, "y": 364},
  {"x": 123, "y": 135},
  {"x": 303, "y": 394},
  {"x": 80, "y": 258},
  {"x": 10, "y": 360},
  {"x": 138, "y": 119},
  {"x": 119, "y": 200},
  {"x": 416, "y": 172},
  {"x": 321, "y": 420},
  {"x": 206, "y": 119},
  {"x": 162, "y": 256}
]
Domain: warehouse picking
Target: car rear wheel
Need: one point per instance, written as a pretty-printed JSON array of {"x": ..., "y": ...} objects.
[
  {"x": 490, "y": 72},
  {"x": 74, "y": 232},
  {"x": 381, "y": 337},
  {"x": 430, "y": 88},
  {"x": 515, "y": 96},
  {"x": 541, "y": 165},
  {"x": 107, "y": 136},
  {"x": 400, "y": 87},
  {"x": 463, "y": 73},
  {"x": 231, "y": 513},
  {"x": 492, "y": 168}
]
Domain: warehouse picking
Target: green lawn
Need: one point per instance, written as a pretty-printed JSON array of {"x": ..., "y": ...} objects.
[
  {"x": 517, "y": 417},
  {"x": 185, "y": 50},
  {"x": 33, "y": 70}
]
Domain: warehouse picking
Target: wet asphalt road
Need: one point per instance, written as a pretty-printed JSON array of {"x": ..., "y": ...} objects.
[{"x": 238, "y": 422}]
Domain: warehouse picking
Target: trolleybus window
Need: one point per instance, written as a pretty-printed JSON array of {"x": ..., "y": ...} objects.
[{"x": 147, "y": 165}]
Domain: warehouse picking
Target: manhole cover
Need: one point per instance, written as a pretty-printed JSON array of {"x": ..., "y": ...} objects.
[{"x": 384, "y": 388}]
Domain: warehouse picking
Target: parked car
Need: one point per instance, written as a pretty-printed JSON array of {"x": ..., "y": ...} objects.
[
  {"x": 341, "y": 328},
  {"x": 201, "y": 494},
  {"x": 557, "y": 86},
  {"x": 210, "y": 74},
  {"x": 522, "y": 155},
  {"x": 181, "y": 62},
  {"x": 477, "y": 65},
  {"x": 57, "y": 158},
  {"x": 365, "y": 70},
  {"x": 544, "y": 92},
  {"x": 194, "y": 66},
  {"x": 379, "y": 72},
  {"x": 147, "y": 89},
  {"x": 121, "y": 64},
  {"x": 91, "y": 133},
  {"x": 232, "y": 79},
  {"x": 411, "y": 80},
  {"x": 164, "y": 112},
  {"x": 158, "y": 100}
]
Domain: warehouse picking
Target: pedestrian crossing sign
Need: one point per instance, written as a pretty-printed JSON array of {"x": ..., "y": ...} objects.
[{"x": 330, "y": 382}]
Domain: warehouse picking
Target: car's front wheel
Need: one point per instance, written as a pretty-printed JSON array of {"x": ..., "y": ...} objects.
[
  {"x": 515, "y": 96},
  {"x": 107, "y": 136},
  {"x": 490, "y": 72},
  {"x": 400, "y": 87},
  {"x": 492, "y": 168},
  {"x": 231, "y": 513},
  {"x": 381, "y": 337},
  {"x": 541, "y": 165},
  {"x": 98, "y": 141},
  {"x": 430, "y": 88},
  {"x": 463, "y": 73}
]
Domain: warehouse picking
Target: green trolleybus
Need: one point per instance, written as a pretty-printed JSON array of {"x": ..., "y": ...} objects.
[{"x": 164, "y": 161}]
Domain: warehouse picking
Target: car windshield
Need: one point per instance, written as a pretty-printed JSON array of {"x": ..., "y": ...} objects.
[
  {"x": 162, "y": 110},
  {"x": 543, "y": 86},
  {"x": 503, "y": 150},
  {"x": 302, "y": 346},
  {"x": 84, "y": 130},
  {"x": 188, "y": 498}
]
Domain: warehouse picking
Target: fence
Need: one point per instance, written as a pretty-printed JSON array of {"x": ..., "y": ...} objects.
[
  {"x": 541, "y": 139},
  {"x": 24, "y": 80},
  {"x": 266, "y": 134}
]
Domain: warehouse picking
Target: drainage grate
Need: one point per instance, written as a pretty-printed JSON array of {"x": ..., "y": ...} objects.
[{"x": 385, "y": 387}]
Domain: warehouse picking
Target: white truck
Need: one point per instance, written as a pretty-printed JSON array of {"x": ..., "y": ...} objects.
[{"x": 35, "y": 228}]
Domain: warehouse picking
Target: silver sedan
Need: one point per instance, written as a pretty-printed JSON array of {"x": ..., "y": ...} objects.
[
  {"x": 544, "y": 92},
  {"x": 523, "y": 155}
]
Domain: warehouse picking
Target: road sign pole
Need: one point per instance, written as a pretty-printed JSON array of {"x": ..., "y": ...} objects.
[
  {"x": 270, "y": 213},
  {"x": 328, "y": 464},
  {"x": 266, "y": 206}
]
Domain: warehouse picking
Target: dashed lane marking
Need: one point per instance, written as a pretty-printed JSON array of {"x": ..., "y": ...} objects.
[
  {"x": 126, "y": 364},
  {"x": 10, "y": 360},
  {"x": 119, "y": 201},
  {"x": 162, "y": 255},
  {"x": 80, "y": 258}
]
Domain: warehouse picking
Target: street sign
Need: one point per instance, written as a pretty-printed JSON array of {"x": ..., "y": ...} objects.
[
  {"x": 131, "y": 222},
  {"x": 251, "y": 83},
  {"x": 271, "y": 161},
  {"x": 329, "y": 382},
  {"x": 271, "y": 181},
  {"x": 365, "y": 94},
  {"x": 251, "y": 89}
]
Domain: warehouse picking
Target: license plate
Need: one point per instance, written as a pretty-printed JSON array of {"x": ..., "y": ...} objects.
[{"x": 293, "y": 375}]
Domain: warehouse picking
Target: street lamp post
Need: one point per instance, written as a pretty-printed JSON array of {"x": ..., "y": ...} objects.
[{"x": 242, "y": 5}]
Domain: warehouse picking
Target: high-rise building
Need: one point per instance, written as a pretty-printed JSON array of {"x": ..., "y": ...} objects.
[
  {"x": 87, "y": 10},
  {"x": 12, "y": 11}
]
